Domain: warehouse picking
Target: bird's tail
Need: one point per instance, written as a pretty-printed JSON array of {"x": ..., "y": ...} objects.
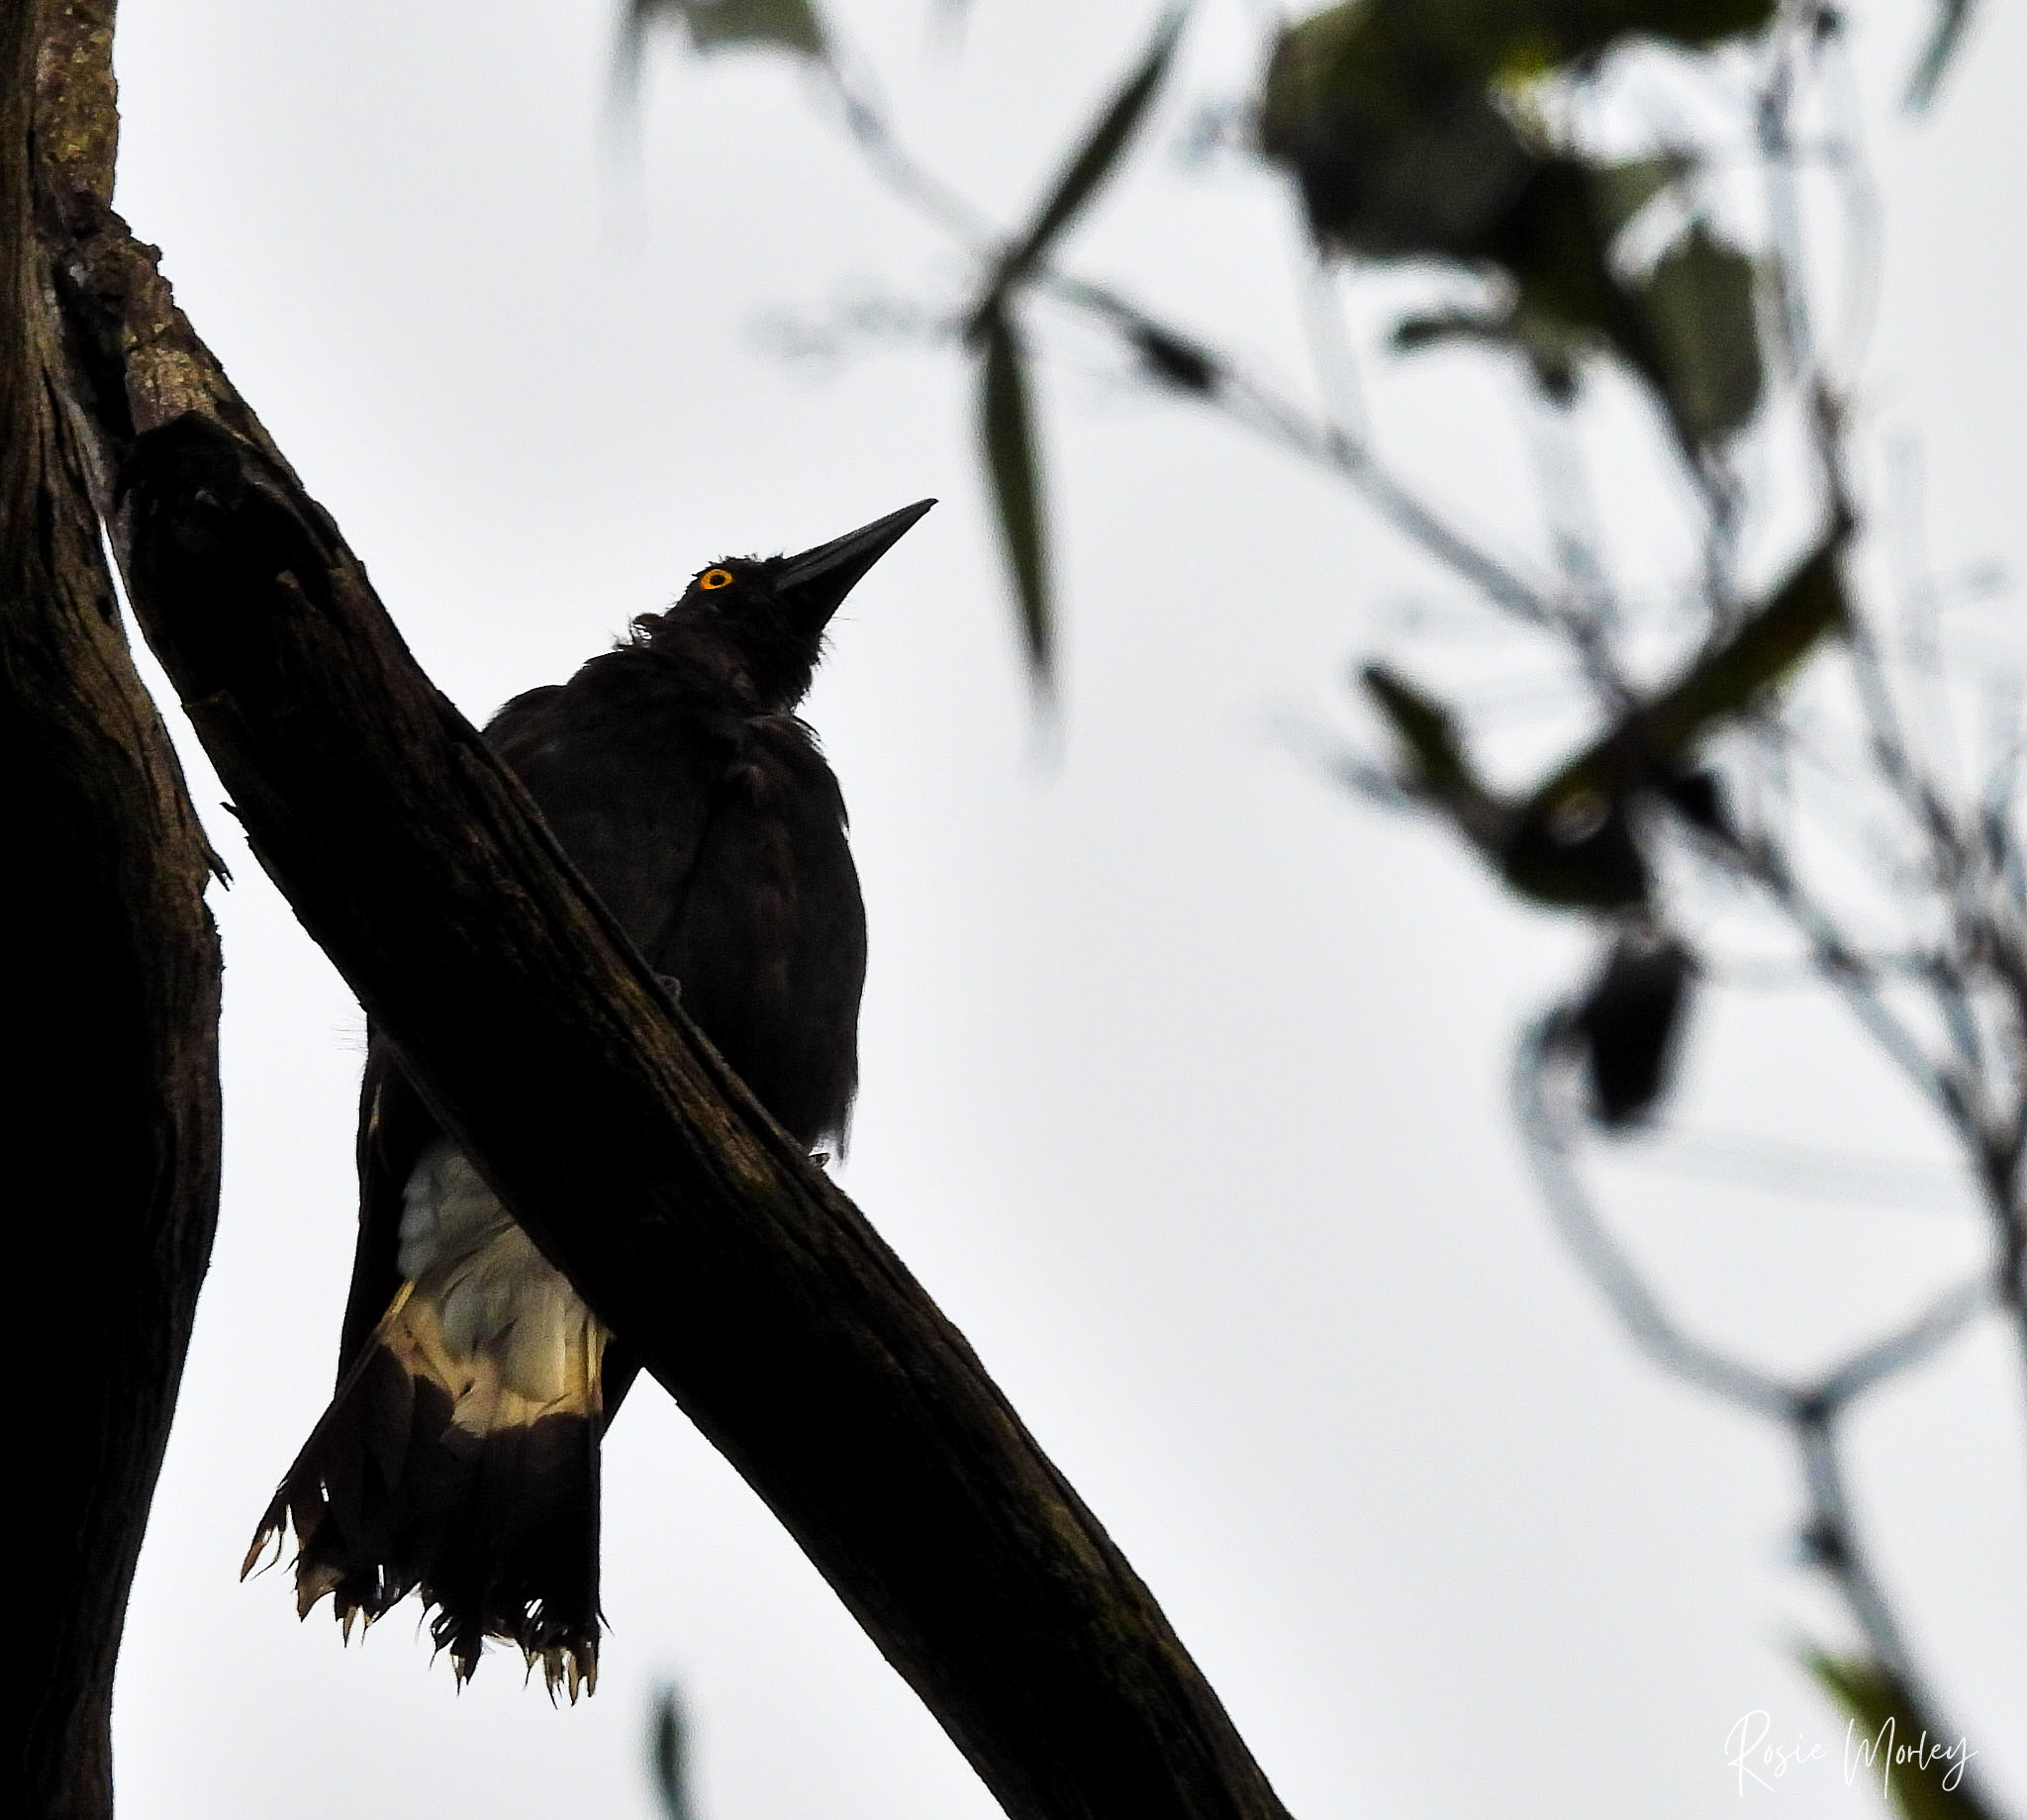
[{"x": 459, "y": 1457}]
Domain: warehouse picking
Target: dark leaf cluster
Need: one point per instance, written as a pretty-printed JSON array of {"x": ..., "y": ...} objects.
[{"x": 1394, "y": 120}]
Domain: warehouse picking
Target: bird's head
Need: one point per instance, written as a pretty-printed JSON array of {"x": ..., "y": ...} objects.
[{"x": 767, "y": 615}]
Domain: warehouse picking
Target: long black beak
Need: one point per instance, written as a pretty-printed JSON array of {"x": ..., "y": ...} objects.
[{"x": 813, "y": 584}]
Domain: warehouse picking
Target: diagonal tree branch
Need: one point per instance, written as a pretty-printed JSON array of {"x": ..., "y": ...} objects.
[{"x": 749, "y": 1285}]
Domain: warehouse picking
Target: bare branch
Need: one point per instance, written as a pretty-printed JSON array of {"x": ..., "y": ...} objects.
[
  {"x": 1605, "y": 1262},
  {"x": 1926, "y": 1335}
]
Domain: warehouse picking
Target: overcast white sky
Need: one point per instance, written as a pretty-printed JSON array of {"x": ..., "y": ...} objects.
[{"x": 1183, "y": 1075}]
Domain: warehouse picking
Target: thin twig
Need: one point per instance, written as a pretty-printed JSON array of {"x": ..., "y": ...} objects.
[
  {"x": 1605, "y": 1262},
  {"x": 1809, "y": 1412},
  {"x": 1922, "y": 1337}
]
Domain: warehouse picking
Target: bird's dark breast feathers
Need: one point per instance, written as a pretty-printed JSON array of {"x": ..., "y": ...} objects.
[{"x": 715, "y": 833}]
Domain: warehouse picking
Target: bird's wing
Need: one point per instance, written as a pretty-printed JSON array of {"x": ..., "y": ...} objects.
[
  {"x": 770, "y": 941},
  {"x": 621, "y": 764},
  {"x": 395, "y": 1128}
]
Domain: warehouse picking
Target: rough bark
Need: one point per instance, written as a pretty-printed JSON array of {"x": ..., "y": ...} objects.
[
  {"x": 749, "y": 1286},
  {"x": 112, "y": 990}
]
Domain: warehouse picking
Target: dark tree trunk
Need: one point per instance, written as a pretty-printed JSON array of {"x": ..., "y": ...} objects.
[{"x": 111, "y": 1118}]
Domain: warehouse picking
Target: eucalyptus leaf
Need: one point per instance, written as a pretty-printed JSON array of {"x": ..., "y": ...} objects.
[
  {"x": 1573, "y": 842},
  {"x": 1088, "y": 167},
  {"x": 1550, "y": 347},
  {"x": 1952, "y": 16},
  {"x": 668, "y": 1757},
  {"x": 1553, "y": 240},
  {"x": 730, "y": 24},
  {"x": 1699, "y": 303},
  {"x": 1507, "y": 40},
  {"x": 1724, "y": 681},
  {"x": 1398, "y": 153},
  {"x": 1930, "y": 1783},
  {"x": 1649, "y": 746},
  {"x": 1583, "y": 30},
  {"x": 1620, "y": 192},
  {"x": 1426, "y": 728},
  {"x": 1007, "y": 432},
  {"x": 1696, "y": 24},
  {"x": 1438, "y": 769},
  {"x": 1413, "y": 333},
  {"x": 1391, "y": 114}
]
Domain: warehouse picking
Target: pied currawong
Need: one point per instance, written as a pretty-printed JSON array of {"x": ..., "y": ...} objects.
[{"x": 459, "y": 1455}]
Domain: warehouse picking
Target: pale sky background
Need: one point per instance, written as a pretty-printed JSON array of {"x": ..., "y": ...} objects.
[{"x": 1184, "y": 1074}]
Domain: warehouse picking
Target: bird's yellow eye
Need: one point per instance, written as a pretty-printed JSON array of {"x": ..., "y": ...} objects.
[{"x": 715, "y": 578}]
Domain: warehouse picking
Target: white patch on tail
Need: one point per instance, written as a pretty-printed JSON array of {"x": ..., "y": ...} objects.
[{"x": 486, "y": 1315}]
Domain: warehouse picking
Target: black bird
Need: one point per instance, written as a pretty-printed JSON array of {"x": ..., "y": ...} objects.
[{"x": 459, "y": 1454}]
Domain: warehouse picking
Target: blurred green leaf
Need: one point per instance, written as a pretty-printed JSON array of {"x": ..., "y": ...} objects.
[
  {"x": 1438, "y": 325},
  {"x": 1557, "y": 248},
  {"x": 1688, "y": 329},
  {"x": 1700, "y": 23},
  {"x": 668, "y": 1757},
  {"x": 1649, "y": 746},
  {"x": 1555, "y": 243},
  {"x": 1573, "y": 843},
  {"x": 1620, "y": 191},
  {"x": 1698, "y": 300},
  {"x": 1698, "y": 794},
  {"x": 1093, "y": 160},
  {"x": 1398, "y": 149},
  {"x": 1389, "y": 115},
  {"x": 1554, "y": 240},
  {"x": 1887, "y": 1720},
  {"x": 1428, "y": 732},
  {"x": 1006, "y": 431},
  {"x": 1952, "y": 16},
  {"x": 1572, "y": 840},
  {"x": 1806, "y": 606},
  {"x": 729, "y": 25},
  {"x": 1567, "y": 858}
]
